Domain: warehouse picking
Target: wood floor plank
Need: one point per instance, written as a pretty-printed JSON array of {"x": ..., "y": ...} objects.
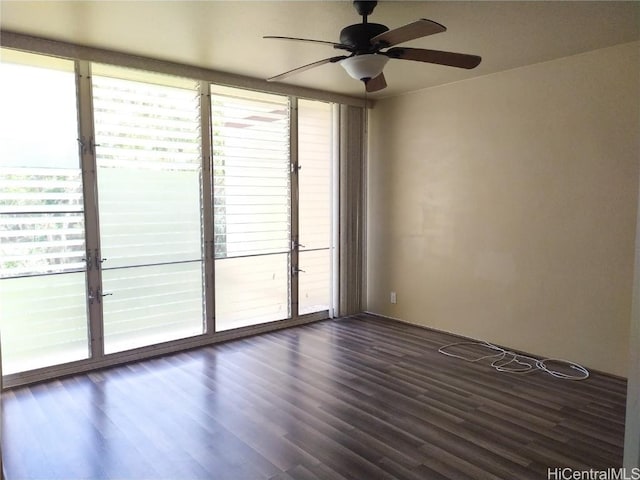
[{"x": 351, "y": 399}]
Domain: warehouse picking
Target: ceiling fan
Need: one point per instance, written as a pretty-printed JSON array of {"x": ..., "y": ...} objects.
[{"x": 371, "y": 45}]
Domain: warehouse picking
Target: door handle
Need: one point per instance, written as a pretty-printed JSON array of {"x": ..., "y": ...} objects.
[
  {"x": 296, "y": 245},
  {"x": 100, "y": 295},
  {"x": 97, "y": 296},
  {"x": 98, "y": 260},
  {"x": 88, "y": 261}
]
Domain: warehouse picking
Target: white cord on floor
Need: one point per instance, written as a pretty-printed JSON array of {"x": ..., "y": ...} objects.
[{"x": 511, "y": 362}]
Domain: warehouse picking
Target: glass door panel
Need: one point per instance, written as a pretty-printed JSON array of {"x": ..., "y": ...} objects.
[
  {"x": 43, "y": 310},
  {"x": 164, "y": 301},
  {"x": 44, "y": 321},
  {"x": 149, "y": 217},
  {"x": 314, "y": 281},
  {"x": 251, "y": 290},
  {"x": 149, "y": 190},
  {"x": 315, "y": 156},
  {"x": 252, "y": 207}
]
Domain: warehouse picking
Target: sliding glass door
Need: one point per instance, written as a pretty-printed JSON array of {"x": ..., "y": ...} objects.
[
  {"x": 124, "y": 226},
  {"x": 272, "y": 212},
  {"x": 147, "y": 134},
  {"x": 252, "y": 207},
  {"x": 43, "y": 315},
  {"x": 315, "y": 205}
]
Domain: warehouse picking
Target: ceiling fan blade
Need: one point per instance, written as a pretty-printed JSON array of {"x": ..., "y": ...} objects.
[
  {"x": 451, "y": 59},
  {"x": 418, "y": 29},
  {"x": 324, "y": 42},
  {"x": 376, "y": 84},
  {"x": 306, "y": 67}
]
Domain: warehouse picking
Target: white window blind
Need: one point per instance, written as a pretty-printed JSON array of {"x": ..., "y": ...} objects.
[
  {"x": 148, "y": 158},
  {"x": 41, "y": 221},
  {"x": 251, "y": 173},
  {"x": 41, "y": 208}
]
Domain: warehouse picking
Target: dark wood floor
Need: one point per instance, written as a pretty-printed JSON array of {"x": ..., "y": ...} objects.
[{"x": 359, "y": 398}]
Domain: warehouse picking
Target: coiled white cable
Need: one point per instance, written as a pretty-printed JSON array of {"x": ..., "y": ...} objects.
[{"x": 511, "y": 362}]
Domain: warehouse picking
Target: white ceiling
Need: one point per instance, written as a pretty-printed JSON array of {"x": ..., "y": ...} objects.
[{"x": 227, "y": 35}]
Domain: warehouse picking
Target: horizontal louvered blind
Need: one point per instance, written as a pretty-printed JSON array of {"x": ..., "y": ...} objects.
[
  {"x": 251, "y": 173},
  {"x": 149, "y": 163},
  {"x": 41, "y": 221},
  {"x": 315, "y": 147},
  {"x": 41, "y": 207},
  {"x": 142, "y": 125}
]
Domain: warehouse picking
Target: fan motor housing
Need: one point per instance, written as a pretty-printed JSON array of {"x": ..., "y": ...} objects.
[{"x": 358, "y": 36}]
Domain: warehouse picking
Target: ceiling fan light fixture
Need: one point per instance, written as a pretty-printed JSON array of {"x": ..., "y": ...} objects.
[
  {"x": 366, "y": 41},
  {"x": 362, "y": 67}
]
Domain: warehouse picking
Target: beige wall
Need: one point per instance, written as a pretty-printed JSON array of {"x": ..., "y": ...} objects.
[{"x": 504, "y": 207}]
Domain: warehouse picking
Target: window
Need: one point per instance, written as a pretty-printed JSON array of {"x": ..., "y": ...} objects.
[{"x": 114, "y": 220}]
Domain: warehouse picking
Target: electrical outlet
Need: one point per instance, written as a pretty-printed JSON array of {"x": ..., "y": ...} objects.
[{"x": 393, "y": 298}]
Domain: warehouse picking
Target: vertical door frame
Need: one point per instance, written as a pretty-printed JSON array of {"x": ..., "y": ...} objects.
[
  {"x": 90, "y": 197},
  {"x": 206, "y": 199},
  {"x": 294, "y": 199},
  {"x": 335, "y": 211}
]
